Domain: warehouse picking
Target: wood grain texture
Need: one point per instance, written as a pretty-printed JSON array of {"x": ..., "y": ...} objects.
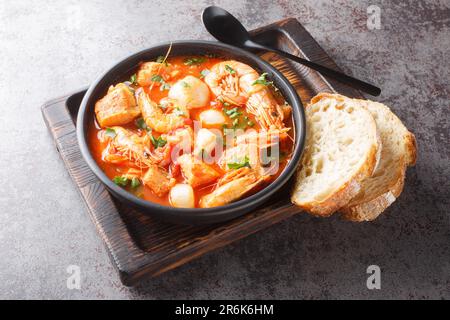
[{"x": 140, "y": 246}]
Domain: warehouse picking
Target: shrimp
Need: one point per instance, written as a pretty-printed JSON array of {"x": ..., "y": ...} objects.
[
  {"x": 175, "y": 116},
  {"x": 232, "y": 81},
  {"x": 259, "y": 152},
  {"x": 232, "y": 186},
  {"x": 236, "y": 83},
  {"x": 263, "y": 138},
  {"x": 268, "y": 113},
  {"x": 128, "y": 146},
  {"x": 246, "y": 154},
  {"x": 151, "y": 73}
]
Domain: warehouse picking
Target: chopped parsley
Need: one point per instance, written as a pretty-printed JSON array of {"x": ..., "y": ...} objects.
[
  {"x": 161, "y": 59},
  {"x": 230, "y": 69},
  {"x": 262, "y": 80},
  {"x": 225, "y": 104},
  {"x": 121, "y": 181},
  {"x": 140, "y": 123},
  {"x": 164, "y": 86},
  {"x": 238, "y": 121},
  {"x": 241, "y": 164},
  {"x": 204, "y": 73},
  {"x": 157, "y": 78},
  {"x": 133, "y": 79},
  {"x": 185, "y": 84},
  {"x": 160, "y": 79},
  {"x": 157, "y": 142},
  {"x": 194, "y": 61},
  {"x": 110, "y": 132},
  {"x": 135, "y": 182},
  {"x": 232, "y": 113}
]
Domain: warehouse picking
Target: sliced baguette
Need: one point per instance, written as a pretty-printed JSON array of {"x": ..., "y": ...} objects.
[
  {"x": 399, "y": 151},
  {"x": 342, "y": 149}
]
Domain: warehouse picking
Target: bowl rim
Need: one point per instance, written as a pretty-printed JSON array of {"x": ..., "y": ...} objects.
[{"x": 198, "y": 213}]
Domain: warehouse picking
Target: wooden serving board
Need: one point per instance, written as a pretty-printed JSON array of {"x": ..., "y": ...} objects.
[{"x": 141, "y": 246}]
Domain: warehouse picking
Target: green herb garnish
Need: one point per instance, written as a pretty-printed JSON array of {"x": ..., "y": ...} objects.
[
  {"x": 194, "y": 61},
  {"x": 157, "y": 142},
  {"x": 110, "y": 132},
  {"x": 237, "y": 165},
  {"x": 140, "y": 123},
  {"x": 262, "y": 80},
  {"x": 232, "y": 113},
  {"x": 164, "y": 86},
  {"x": 133, "y": 79},
  {"x": 185, "y": 84},
  {"x": 229, "y": 69},
  {"x": 157, "y": 78},
  {"x": 204, "y": 73},
  {"x": 161, "y": 59},
  {"x": 135, "y": 182},
  {"x": 121, "y": 181}
]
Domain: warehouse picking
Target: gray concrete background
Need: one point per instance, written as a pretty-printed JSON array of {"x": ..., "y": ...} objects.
[{"x": 49, "y": 48}]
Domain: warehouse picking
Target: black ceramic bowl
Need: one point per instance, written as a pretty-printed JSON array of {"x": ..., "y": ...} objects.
[{"x": 123, "y": 69}]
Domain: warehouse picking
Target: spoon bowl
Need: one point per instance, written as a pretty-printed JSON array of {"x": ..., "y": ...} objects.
[{"x": 223, "y": 26}]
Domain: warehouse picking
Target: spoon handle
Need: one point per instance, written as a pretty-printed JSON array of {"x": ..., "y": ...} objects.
[{"x": 339, "y": 76}]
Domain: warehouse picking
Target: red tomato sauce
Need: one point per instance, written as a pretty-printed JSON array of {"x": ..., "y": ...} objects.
[{"x": 180, "y": 68}]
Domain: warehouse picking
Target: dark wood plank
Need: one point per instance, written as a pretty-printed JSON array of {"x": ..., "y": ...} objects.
[{"x": 140, "y": 246}]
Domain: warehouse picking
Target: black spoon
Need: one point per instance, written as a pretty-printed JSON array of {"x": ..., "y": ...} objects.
[{"x": 223, "y": 26}]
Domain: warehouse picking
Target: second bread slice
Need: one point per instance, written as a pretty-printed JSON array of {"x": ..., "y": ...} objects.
[
  {"x": 342, "y": 149},
  {"x": 386, "y": 184}
]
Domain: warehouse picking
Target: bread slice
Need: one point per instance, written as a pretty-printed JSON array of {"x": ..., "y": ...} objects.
[
  {"x": 399, "y": 151},
  {"x": 342, "y": 149}
]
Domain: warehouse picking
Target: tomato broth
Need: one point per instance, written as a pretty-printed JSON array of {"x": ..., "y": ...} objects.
[{"x": 129, "y": 167}]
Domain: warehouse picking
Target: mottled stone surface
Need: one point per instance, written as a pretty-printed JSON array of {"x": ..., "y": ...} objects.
[{"x": 53, "y": 47}]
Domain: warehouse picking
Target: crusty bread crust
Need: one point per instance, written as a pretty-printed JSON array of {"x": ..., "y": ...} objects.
[
  {"x": 411, "y": 146},
  {"x": 349, "y": 188},
  {"x": 367, "y": 207},
  {"x": 371, "y": 209},
  {"x": 353, "y": 203}
]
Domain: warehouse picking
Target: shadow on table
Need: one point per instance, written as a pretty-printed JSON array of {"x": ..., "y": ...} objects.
[{"x": 308, "y": 257}]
